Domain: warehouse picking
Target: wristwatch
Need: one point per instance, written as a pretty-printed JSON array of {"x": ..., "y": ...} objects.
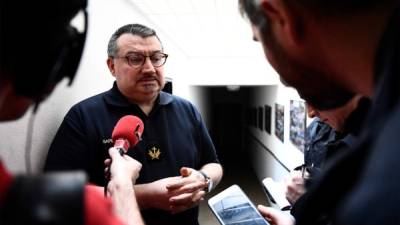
[{"x": 208, "y": 181}]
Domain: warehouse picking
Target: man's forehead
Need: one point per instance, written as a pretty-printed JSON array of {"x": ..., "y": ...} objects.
[
  {"x": 127, "y": 37},
  {"x": 129, "y": 42}
]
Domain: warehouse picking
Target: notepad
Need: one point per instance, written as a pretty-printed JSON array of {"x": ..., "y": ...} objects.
[{"x": 276, "y": 193}]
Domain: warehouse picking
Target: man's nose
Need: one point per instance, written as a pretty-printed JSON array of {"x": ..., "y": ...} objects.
[{"x": 148, "y": 65}]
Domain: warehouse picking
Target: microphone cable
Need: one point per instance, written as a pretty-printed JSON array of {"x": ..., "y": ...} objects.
[{"x": 28, "y": 141}]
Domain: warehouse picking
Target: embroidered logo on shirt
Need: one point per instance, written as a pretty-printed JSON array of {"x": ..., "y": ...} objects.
[{"x": 154, "y": 153}]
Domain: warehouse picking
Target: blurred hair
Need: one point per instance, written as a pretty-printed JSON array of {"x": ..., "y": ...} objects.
[
  {"x": 325, "y": 94},
  {"x": 38, "y": 45},
  {"x": 134, "y": 29},
  {"x": 250, "y": 8}
]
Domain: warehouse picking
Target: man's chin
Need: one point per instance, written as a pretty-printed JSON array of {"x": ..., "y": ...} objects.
[
  {"x": 150, "y": 88},
  {"x": 283, "y": 81}
]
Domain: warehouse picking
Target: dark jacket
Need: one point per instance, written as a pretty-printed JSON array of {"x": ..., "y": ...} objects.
[
  {"x": 327, "y": 143},
  {"x": 361, "y": 185}
]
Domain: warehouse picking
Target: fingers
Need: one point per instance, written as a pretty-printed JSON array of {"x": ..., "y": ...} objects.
[
  {"x": 192, "y": 187},
  {"x": 185, "y": 201},
  {"x": 138, "y": 167},
  {"x": 107, "y": 173},
  {"x": 267, "y": 212},
  {"x": 189, "y": 188},
  {"x": 121, "y": 165},
  {"x": 107, "y": 162},
  {"x": 186, "y": 179},
  {"x": 187, "y": 191},
  {"x": 293, "y": 192},
  {"x": 274, "y": 216},
  {"x": 185, "y": 171},
  {"x": 114, "y": 153},
  {"x": 185, "y": 186},
  {"x": 187, "y": 198},
  {"x": 175, "y": 185}
]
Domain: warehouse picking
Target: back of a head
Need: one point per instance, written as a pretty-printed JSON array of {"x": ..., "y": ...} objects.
[{"x": 38, "y": 45}]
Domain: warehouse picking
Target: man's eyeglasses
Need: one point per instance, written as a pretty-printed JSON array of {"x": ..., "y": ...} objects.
[{"x": 137, "y": 60}]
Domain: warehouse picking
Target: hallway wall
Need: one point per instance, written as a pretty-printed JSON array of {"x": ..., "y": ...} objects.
[
  {"x": 235, "y": 138},
  {"x": 270, "y": 155}
]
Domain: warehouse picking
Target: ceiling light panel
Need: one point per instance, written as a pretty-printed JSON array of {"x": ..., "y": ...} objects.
[
  {"x": 155, "y": 6},
  {"x": 181, "y": 6}
]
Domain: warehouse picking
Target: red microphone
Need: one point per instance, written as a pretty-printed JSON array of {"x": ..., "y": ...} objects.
[{"x": 127, "y": 132}]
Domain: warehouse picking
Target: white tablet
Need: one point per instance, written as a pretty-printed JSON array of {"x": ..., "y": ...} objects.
[{"x": 232, "y": 206}]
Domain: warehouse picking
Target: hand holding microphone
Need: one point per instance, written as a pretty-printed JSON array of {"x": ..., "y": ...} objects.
[
  {"x": 122, "y": 167},
  {"x": 127, "y": 133}
]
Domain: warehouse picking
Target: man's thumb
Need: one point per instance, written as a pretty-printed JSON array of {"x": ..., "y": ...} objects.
[{"x": 185, "y": 171}]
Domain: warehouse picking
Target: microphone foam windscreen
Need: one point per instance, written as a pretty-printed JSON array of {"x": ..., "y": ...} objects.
[{"x": 130, "y": 128}]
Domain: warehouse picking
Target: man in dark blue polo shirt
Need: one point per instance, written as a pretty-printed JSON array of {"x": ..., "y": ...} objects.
[{"x": 179, "y": 161}]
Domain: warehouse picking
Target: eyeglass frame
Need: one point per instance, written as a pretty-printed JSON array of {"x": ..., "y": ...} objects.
[{"x": 126, "y": 57}]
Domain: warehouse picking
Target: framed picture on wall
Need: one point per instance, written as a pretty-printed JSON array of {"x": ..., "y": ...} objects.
[
  {"x": 267, "y": 119},
  {"x": 297, "y": 126},
  {"x": 279, "y": 121},
  {"x": 260, "y": 118}
]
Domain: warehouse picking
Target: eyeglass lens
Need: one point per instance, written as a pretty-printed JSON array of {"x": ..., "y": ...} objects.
[{"x": 137, "y": 59}]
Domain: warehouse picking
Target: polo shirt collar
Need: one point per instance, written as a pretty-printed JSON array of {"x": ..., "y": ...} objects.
[
  {"x": 164, "y": 98},
  {"x": 116, "y": 98}
]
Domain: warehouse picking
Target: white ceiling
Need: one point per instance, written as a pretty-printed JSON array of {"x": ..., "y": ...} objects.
[{"x": 202, "y": 28}]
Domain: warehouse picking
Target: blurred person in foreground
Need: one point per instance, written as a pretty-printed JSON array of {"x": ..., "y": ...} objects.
[
  {"x": 351, "y": 45},
  {"x": 330, "y": 131},
  {"x": 36, "y": 53}
]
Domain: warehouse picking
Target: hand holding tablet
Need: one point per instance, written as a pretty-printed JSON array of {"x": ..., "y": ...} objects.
[{"x": 232, "y": 206}]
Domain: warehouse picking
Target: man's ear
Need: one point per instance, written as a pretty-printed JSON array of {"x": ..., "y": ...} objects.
[
  {"x": 284, "y": 20},
  {"x": 111, "y": 65}
]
